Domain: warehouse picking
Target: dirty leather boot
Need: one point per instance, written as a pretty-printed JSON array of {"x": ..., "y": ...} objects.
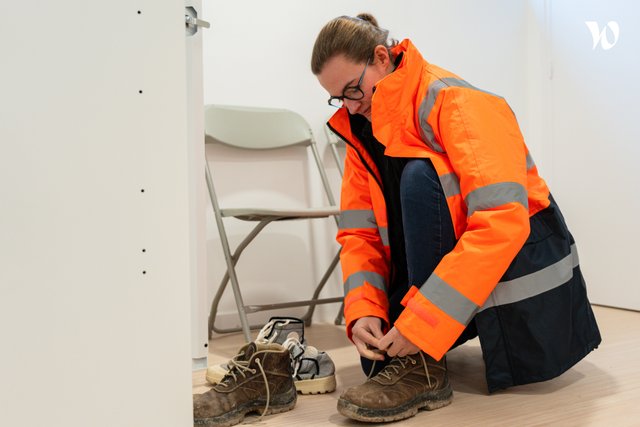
[
  {"x": 259, "y": 380},
  {"x": 404, "y": 386},
  {"x": 277, "y": 330}
]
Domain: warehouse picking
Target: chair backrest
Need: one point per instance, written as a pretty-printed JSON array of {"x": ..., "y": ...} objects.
[
  {"x": 255, "y": 128},
  {"x": 258, "y": 128}
]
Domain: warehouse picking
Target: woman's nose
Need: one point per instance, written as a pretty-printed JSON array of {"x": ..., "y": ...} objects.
[{"x": 352, "y": 106}]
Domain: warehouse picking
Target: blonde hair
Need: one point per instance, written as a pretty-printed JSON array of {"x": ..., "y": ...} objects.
[{"x": 355, "y": 38}]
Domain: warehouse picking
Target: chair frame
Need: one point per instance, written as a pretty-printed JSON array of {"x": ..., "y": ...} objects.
[
  {"x": 333, "y": 141},
  {"x": 264, "y": 218}
]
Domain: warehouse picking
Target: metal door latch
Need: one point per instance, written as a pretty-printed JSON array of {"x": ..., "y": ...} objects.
[{"x": 192, "y": 22}]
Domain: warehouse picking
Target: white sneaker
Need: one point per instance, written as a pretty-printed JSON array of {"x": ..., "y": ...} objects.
[{"x": 313, "y": 370}]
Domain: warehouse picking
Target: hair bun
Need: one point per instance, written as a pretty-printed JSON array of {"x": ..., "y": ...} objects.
[{"x": 369, "y": 18}]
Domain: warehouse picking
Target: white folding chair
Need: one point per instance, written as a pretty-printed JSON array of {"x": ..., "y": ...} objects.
[{"x": 257, "y": 130}]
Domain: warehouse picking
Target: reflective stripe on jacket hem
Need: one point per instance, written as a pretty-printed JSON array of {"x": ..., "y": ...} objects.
[
  {"x": 460, "y": 308},
  {"x": 535, "y": 283}
]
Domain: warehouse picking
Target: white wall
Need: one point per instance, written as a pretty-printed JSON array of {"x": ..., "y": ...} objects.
[
  {"x": 258, "y": 53},
  {"x": 87, "y": 337},
  {"x": 591, "y": 120}
]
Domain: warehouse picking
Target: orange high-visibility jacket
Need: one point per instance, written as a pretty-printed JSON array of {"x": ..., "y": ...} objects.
[{"x": 493, "y": 191}]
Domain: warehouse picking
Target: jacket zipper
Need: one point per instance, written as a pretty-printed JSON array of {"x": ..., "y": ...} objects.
[
  {"x": 392, "y": 267},
  {"x": 364, "y": 162}
]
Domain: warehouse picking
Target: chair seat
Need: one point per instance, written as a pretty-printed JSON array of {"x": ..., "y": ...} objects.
[{"x": 260, "y": 214}]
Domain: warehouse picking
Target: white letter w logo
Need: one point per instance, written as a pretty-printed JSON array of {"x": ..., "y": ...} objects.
[{"x": 602, "y": 37}]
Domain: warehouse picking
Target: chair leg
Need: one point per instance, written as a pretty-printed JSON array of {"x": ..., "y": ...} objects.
[
  {"x": 214, "y": 311},
  {"x": 225, "y": 280},
  {"x": 339, "y": 316},
  {"x": 336, "y": 157},
  {"x": 307, "y": 316},
  {"x": 227, "y": 255}
]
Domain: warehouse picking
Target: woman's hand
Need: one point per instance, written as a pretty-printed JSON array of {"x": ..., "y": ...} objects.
[
  {"x": 395, "y": 344},
  {"x": 366, "y": 333}
]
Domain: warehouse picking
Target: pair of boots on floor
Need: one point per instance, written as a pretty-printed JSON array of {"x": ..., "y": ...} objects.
[{"x": 267, "y": 373}]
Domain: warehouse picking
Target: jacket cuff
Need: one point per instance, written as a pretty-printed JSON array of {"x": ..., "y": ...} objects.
[
  {"x": 365, "y": 301},
  {"x": 409, "y": 295},
  {"x": 426, "y": 326}
]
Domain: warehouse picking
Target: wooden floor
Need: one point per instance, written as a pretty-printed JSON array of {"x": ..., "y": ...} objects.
[{"x": 601, "y": 390}]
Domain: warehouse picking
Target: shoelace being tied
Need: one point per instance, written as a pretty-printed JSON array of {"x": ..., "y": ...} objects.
[{"x": 403, "y": 362}]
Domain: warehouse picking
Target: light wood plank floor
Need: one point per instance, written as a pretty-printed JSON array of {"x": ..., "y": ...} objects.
[{"x": 601, "y": 390}]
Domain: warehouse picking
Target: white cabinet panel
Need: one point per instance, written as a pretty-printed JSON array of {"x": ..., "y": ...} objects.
[{"x": 94, "y": 253}]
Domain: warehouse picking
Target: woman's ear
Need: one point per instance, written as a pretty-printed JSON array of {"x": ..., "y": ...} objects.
[{"x": 381, "y": 56}]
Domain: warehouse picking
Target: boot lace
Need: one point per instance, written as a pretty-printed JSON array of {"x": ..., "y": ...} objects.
[
  {"x": 297, "y": 352},
  {"x": 398, "y": 364},
  {"x": 373, "y": 368},
  {"x": 239, "y": 368},
  {"x": 268, "y": 329}
]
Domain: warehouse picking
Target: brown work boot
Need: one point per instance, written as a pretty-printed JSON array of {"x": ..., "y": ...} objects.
[
  {"x": 260, "y": 380},
  {"x": 404, "y": 386}
]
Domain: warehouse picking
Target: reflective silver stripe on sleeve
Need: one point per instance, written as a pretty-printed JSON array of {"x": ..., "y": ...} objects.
[
  {"x": 384, "y": 235},
  {"x": 357, "y": 218},
  {"x": 530, "y": 162},
  {"x": 448, "y": 299},
  {"x": 534, "y": 284},
  {"x": 450, "y": 184},
  {"x": 429, "y": 101},
  {"x": 423, "y": 114},
  {"x": 357, "y": 279},
  {"x": 493, "y": 195}
]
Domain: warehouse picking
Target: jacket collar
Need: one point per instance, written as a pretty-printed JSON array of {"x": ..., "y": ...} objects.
[{"x": 393, "y": 102}]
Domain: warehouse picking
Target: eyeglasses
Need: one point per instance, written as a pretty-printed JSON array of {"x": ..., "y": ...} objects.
[{"x": 353, "y": 93}]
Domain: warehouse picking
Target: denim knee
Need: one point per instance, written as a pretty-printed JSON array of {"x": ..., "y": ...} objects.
[
  {"x": 417, "y": 173},
  {"x": 428, "y": 229}
]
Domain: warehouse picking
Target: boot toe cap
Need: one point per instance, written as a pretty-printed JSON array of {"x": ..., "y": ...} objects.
[{"x": 372, "y": 397}]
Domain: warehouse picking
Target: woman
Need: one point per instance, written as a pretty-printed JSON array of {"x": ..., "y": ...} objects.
[{"x": 447, "y": 230}]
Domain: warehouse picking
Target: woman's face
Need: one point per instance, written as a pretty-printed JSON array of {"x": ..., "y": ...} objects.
[{"x": 340, "y": 77}]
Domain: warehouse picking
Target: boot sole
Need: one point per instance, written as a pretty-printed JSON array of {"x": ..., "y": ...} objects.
[
  {"x": 316, "y": 385},
  {"x": 428, "y": 401},
  {"x": 279, "y": 403},
  {"x": 311, "y": 386}
]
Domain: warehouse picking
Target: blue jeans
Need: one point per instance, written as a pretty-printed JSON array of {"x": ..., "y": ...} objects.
[{"x": 428, "y": 235}]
